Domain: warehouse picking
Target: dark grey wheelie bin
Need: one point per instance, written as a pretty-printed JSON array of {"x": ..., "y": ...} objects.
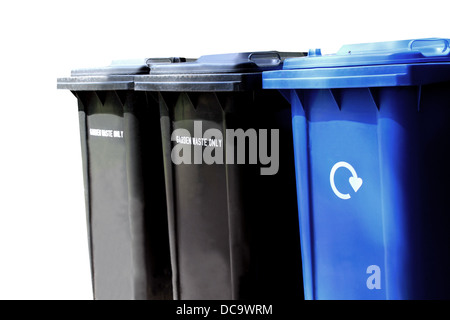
[
  {"x": 124, "y": 183},
  {"x": 232, "y": 210}
]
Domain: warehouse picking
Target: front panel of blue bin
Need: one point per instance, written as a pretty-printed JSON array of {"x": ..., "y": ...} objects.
[{"x": 371, "y": 170}]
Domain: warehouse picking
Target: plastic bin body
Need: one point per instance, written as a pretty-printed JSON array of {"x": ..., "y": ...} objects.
[
  {"x": 124, "y": 184},
  {"x": 234, "y": 232},
  {"x": 371, "y": 129}
]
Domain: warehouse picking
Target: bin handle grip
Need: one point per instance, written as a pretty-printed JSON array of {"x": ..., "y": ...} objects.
[
  {"x": 150, "y": 61},
  {"x": 269, "y": 58},
  {"x": 431, "y": 47}
]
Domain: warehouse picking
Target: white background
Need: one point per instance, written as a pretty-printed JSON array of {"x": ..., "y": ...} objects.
[{"x": 43, "y": 237}]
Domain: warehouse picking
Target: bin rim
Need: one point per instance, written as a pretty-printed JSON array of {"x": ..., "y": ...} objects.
[{"x": 423, "y": 50}]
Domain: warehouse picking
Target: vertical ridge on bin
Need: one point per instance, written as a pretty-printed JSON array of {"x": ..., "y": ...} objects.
[
  {"x": 238, "y": 250},
  {"x": 85, "y": 163},
  {"x": 170, "y": 192},
  {"x": 376, "y": 94},
  {"x": 394, "y": 141},
  {"x": 228, "y": 174},
  {"x": 135, "y": 204},
  {"x": 419, "y": 97},
  {"x": 302, "y": 169}
]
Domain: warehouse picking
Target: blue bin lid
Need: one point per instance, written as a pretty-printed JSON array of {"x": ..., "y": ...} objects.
[
  {"x": 391, "y": 63},
  {"x": 376, "y": 53}
]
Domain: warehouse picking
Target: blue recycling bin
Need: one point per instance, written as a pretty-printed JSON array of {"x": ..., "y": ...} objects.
[{"x": 371, "y": 128}]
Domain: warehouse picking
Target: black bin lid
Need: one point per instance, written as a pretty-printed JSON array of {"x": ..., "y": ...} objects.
[
  {"x": 219, "y": 72},
  {"x": 119, "y": 75}
]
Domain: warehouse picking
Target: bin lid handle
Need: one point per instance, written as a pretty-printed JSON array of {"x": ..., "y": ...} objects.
[
  {"x": 150, "y": 61},
  {"x": 431, "y": 47},
  {"x": 265, "y": 59}
]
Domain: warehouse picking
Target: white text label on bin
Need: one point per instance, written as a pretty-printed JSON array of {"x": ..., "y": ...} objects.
[
  {"x": 106, "y": 133},
  {"x": 374, "y": 280}
]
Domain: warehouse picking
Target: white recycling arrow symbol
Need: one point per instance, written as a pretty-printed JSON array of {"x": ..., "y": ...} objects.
[{"x": 354, "y": 180}]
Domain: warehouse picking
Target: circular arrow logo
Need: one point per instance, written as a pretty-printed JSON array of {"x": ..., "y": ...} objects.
[{"x": 354, "y": 181}]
